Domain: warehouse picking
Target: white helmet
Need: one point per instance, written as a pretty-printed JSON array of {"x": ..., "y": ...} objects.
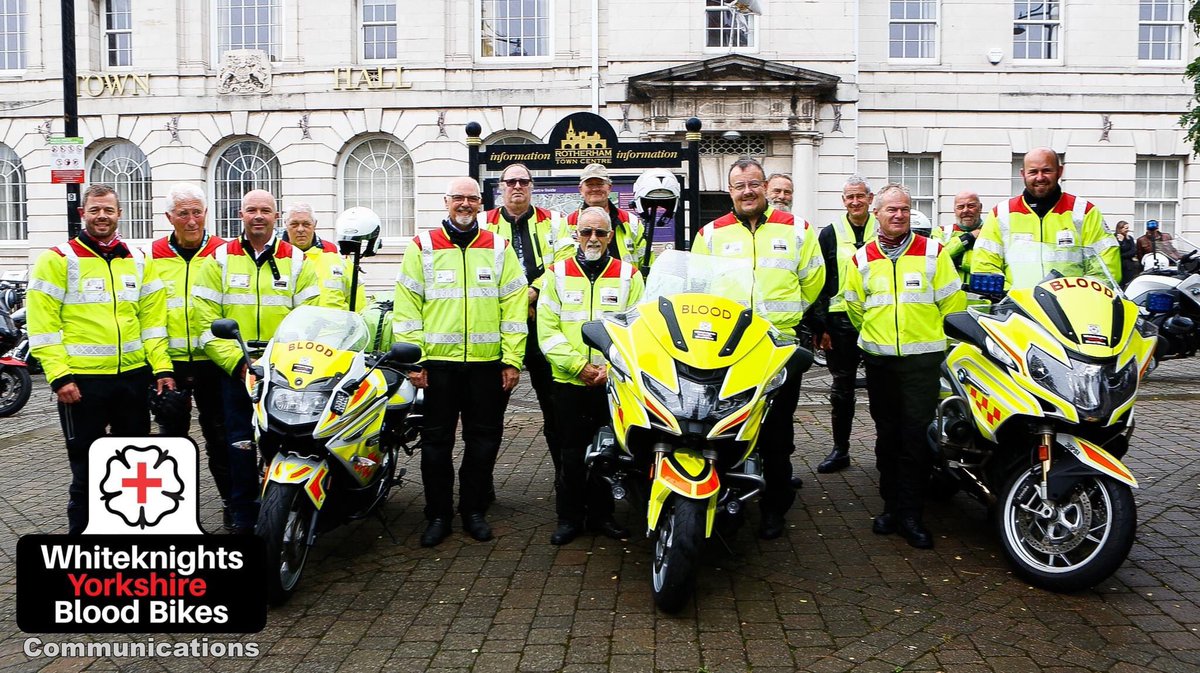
[
  {"x": 656, "y": 187},
  {"x": 919, "y": 223},
  {"x": 358, "y": 226}
]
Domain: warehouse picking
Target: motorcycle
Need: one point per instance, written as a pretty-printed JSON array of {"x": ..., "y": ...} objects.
[
  {"x": 15, "y": 382},
  {"x": 333, "y": 419},
  {"x": 1037, "y": 412},
  {"x": 1168, "y": 294},
  {"x": 692, "y": 372}
]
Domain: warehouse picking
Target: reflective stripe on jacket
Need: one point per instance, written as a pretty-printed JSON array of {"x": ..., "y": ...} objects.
[
  {"x": 844, "y": 234},
  {"x": 568, "y": 299},
  {"x": 898, "y": 306},
  {"x": 232, "y": 285},
  {"x": 462, "y": 304},
  {"x": 334, "y": 277},
  {"x": 178, "y": 276},
  {"x": 1073, "y": 221},
  {"x": 789, "y": 270},
  {"x": 91, "y": 316}
]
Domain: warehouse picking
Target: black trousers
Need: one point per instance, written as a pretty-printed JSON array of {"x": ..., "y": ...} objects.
[
  {"x": 579, "y": 412},
  {"x": 472, "y": 391},
  {"x": 903, "y": 393},
  {"x": 542, "y": 380},
  {"x": 776, "y": 444},
  {"x": 843, "y": 363},
  {"x": 201, "y": 379},
  {"x": 118, "y": 402}
]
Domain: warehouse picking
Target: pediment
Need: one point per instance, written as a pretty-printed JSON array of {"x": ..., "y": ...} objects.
[{"x": 734, "y": 73}]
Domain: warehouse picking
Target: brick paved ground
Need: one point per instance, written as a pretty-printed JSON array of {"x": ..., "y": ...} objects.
[{"x": 829, "y": 596}]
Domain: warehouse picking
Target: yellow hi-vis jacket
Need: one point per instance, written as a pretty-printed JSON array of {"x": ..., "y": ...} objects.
[
  {"x": 845, "y": 252},
  {"x": 951, "y": 237},
  {"x": 231, "y": 284},
  {"x": 789, "y": 270},
  {"x": 178, "y": 276},
  {"x": 91, "y": 316},
  {"x": 462, "y": 304},
  {"x": 568, "y": 299},
  {"x": 898, "y": 306},
  {"x": 1073, "y": 221},
  {"x": 628, "y": 231},
  {"x": 334, "y": 275},
  {"x": 547, "y": 230}
]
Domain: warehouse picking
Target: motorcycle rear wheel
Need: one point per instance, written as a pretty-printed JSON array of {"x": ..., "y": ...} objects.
[
  {"x": 15, "y": 386},
  {"x": 678, "y": 539},
  {"x": 1072, "y": 544},
  {"x": 283, "y": 523}
]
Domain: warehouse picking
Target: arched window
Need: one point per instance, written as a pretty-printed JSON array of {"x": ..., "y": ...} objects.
[
  {"x": 243, "y": 166},
  {"x": 13, "y": 226},
  {"x": 123, "y": 166},
  {"x": 379, "y": 175}
]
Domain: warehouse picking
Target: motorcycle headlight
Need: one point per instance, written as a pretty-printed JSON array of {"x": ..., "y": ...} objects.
[
  {"x": 776, "y": 381},
  {"x": 297, "y": 406},
  {"x": 1094, "y": 389},
  {"x": 996, "y": 351}
]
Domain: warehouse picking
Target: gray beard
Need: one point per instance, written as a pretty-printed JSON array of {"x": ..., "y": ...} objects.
[
  {"x": 463, "y": 221},
  {"x": 592, "y": 255}
]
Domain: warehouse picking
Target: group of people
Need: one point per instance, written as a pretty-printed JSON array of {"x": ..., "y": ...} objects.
[{"x": 487, "y": 294}]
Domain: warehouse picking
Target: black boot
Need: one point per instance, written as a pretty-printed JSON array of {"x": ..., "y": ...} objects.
[{"x": 838, "y": 459}]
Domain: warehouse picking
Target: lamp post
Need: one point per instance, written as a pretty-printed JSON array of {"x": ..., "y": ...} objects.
[{"x": 70, "y": 107}]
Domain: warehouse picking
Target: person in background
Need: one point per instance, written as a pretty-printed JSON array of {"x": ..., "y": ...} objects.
[
  {"x": 779, "y": 192},
  {"x": 1129, "y": 264}
]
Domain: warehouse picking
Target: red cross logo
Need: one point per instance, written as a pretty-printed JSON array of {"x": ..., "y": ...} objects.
[{"x": 141, "y": 483}]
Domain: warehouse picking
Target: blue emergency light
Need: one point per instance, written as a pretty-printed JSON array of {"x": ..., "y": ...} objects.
[
  {"x": 987, "y": 283},
  {"x": 1160, "y": 302}
]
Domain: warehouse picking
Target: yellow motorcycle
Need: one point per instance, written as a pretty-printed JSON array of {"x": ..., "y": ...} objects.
[
  {"x": 692, "y": 371},
  {"x": 1037, "y": 411},
  {"x": 333, "y": 419}
]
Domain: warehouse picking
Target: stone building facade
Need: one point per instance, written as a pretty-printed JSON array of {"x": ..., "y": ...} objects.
[{"x": 364, "y": 102}]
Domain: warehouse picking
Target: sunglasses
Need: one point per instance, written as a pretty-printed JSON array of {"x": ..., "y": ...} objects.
[
  {"x": 517, "y": 182},
  {"x": 587, "y": 232}
]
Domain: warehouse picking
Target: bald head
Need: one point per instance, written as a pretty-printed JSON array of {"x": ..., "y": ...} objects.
[
  {"x": 967, "y": 209},
  {"x": 1041, "y": 171},
  {"x": 463, "y": 201},
  {"x": 258, "y": 216}
]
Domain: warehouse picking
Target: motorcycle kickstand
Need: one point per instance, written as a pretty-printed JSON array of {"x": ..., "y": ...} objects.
[{"x": 721, "y": 538}]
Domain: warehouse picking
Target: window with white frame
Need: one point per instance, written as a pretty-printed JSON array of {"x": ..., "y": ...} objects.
[
  {"x": 12, "y": 34},
  {"x": 378, "y": 174},
  {"x": 243, "y": 166},
  {"x": 514, "y": 28},
  {"x": 13, "y": 225},
  {"x": 379, "y": 30},
  {"x": 918, "y": 172},
  {"x": 124, "y": 166},
  {"x": 118, "y": 33},
  {"x": 1156, "y": 192},
  {"x": 249, "y": 24},
  {"x": 912, "y": 29},
  {"x": 730, "y": 25},
  {"x": 1160, "y": 30},
  {"x": 1037, "y": 29}
]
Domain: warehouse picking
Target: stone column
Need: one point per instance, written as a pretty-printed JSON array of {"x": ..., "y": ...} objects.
[{"x": 804, "y": 174}]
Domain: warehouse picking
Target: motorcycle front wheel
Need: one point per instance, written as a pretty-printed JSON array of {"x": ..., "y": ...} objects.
[
  {"x": 678, "y": 539},
  {"x": 1071, "y": 544},
  {"x": 15, "y": 386},
  {"x": 284, "y": 521}
]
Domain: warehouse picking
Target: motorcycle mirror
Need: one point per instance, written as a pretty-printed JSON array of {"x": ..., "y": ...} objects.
[
  {"x": 225, "y": 328},
  {"x": 800, "y": 361},
  {"x": 595, "y": 336},
  {"x": 404, "y": 353}
]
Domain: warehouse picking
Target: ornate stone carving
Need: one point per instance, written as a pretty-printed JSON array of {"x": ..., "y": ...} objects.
[{"x": 244, "y": 71}]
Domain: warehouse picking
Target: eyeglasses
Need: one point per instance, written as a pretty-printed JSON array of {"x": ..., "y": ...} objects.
[
  {"x": 587, "y": 232},
  {"x": 459, "y": 198},
  {"x": 749, "y": 184},
  {"x": 517, "y": 182}
]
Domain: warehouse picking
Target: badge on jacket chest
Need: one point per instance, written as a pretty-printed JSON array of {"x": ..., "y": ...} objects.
[
  {"x": 1066, "y": 238},
  {"x": 912, "y": 281},
  {"x": 280, "y": 284},
  {"x": 573, "y": 297},
  {"x": 484, "y": 275},
  {"x": 779, "y": 245},
  {"x": 93, "y": 285},
  {"x": 241, "y": 280},
  {"x": 446, "y": 276},
  {"x": 732, "y": 248},
  {"x": 609, "y": 296}
]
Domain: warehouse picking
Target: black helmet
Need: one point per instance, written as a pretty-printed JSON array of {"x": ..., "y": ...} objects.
[{"x": 171, "y": 407}]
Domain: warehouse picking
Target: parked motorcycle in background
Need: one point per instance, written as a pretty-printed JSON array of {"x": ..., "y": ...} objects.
[
  {"x": 15, "y": 383},
  {"x": 692, "y": 372},
  {"x": 1168, "y": 294},
  {"x": 1037, "y": 411}
]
